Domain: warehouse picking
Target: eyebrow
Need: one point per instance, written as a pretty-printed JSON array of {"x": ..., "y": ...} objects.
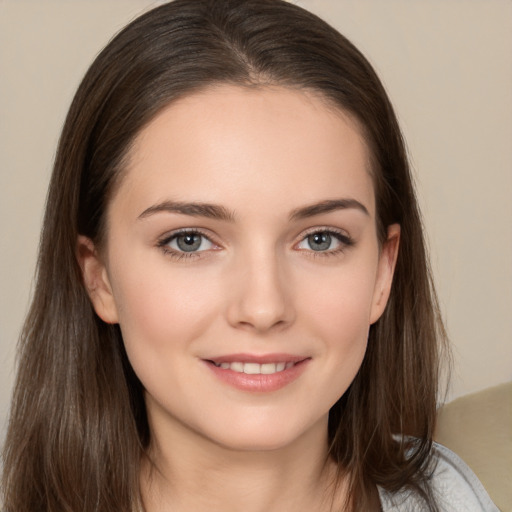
[
  {"x": 213, "y": 211},
  {"x": 327, "y": 207},
  {"x": 210, "y": 211}
]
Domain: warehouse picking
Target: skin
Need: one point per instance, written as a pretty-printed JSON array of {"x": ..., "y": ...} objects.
[{"x": 255, "y": 286}]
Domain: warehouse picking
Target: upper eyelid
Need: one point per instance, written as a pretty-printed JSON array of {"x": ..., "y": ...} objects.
[
  {"x": 183, "y": 231},
  {"x": 324, "y": 229},
  {"x": 321, "y": 229}
]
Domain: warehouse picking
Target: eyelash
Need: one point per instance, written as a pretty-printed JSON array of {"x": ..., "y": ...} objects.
[
  {"x": 164, "y": 242},
  {"x": 345, "y": 242}
]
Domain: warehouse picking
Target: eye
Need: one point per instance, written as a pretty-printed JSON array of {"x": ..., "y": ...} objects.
[
  {"x": 325, "y": 241},
  {"x": 186, "y": 242}
]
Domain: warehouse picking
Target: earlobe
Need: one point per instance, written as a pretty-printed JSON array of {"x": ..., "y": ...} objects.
[
  {"x": 385, "y": 271},
  {"x": 96, "y": 280}
]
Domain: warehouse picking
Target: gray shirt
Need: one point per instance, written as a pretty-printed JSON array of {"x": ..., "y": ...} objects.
[{"x": 455, "y": 486}]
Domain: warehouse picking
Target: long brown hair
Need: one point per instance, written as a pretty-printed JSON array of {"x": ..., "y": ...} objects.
[{"x": 78, "y": 424}]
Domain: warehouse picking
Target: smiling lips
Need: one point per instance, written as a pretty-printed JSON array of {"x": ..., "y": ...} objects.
[
  {"x": 258, "y": 373},
  {"x": 255, "y": 368}
]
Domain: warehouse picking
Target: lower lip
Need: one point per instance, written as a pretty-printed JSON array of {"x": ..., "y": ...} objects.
[{"x": 259, "y": 383}]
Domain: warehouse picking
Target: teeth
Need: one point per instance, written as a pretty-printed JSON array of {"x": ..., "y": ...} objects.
[
  {"x": 252, "y": 368},
  {"x": 237, "y": 367},
  {"x": 268, "y": 368},
  {"x": 255, "y": 368}
]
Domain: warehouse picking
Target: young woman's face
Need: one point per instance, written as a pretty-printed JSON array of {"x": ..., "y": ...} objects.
[{"x": 243, "y": 266}]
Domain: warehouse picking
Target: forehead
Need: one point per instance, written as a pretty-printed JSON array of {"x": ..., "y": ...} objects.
[{"x": 229, "y": 143}]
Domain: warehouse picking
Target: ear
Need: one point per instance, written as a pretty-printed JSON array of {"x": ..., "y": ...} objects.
[
  {"x": 96, "y": 280},
  {"x": 385, "y": 271}
]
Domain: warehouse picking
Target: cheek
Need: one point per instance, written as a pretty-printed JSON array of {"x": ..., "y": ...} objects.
[
  {"x": 337, "y": 308},
  {"x": 343, "y": 326},
  {"x": 340, "y": 300},
  {"x": 162, "y": 312}
]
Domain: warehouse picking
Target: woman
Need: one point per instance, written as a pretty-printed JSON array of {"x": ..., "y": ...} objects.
[{"x": 233, "y": 306}]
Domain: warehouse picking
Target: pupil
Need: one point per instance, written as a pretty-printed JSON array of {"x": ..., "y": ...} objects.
[
  {"x": 319, "y": 241},
  {"x": 189, "y": 243}
]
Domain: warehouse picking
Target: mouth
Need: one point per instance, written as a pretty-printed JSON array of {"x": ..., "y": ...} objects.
[
  {"x": 258, "y": 373},
  {"x": 255, "y": 368}
]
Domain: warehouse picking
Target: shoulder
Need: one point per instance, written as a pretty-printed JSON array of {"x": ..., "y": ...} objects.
[{"x": 454, "y": 486}]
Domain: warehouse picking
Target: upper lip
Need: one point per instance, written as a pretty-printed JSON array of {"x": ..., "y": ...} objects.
[{"x": 257, "y": 358}]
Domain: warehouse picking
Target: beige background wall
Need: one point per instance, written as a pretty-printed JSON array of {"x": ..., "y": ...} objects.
[{"x": 448, "y": 67}]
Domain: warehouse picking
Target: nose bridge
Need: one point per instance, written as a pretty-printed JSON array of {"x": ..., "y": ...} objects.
[{"x": 261, "y": 299}]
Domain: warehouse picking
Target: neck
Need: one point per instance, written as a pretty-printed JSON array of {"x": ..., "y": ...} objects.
[{"x": 186, "y": 472}]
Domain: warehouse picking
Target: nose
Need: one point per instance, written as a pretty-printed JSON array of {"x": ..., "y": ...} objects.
[{"x": 261, "y": 298}]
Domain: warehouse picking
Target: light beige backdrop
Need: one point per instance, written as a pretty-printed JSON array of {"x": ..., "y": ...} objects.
[{"x": 448, "y": 68}]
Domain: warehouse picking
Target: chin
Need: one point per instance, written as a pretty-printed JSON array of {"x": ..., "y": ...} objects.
[
  {"x": 266, "y": 436},
  {"x": 253, "y": 444}
]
